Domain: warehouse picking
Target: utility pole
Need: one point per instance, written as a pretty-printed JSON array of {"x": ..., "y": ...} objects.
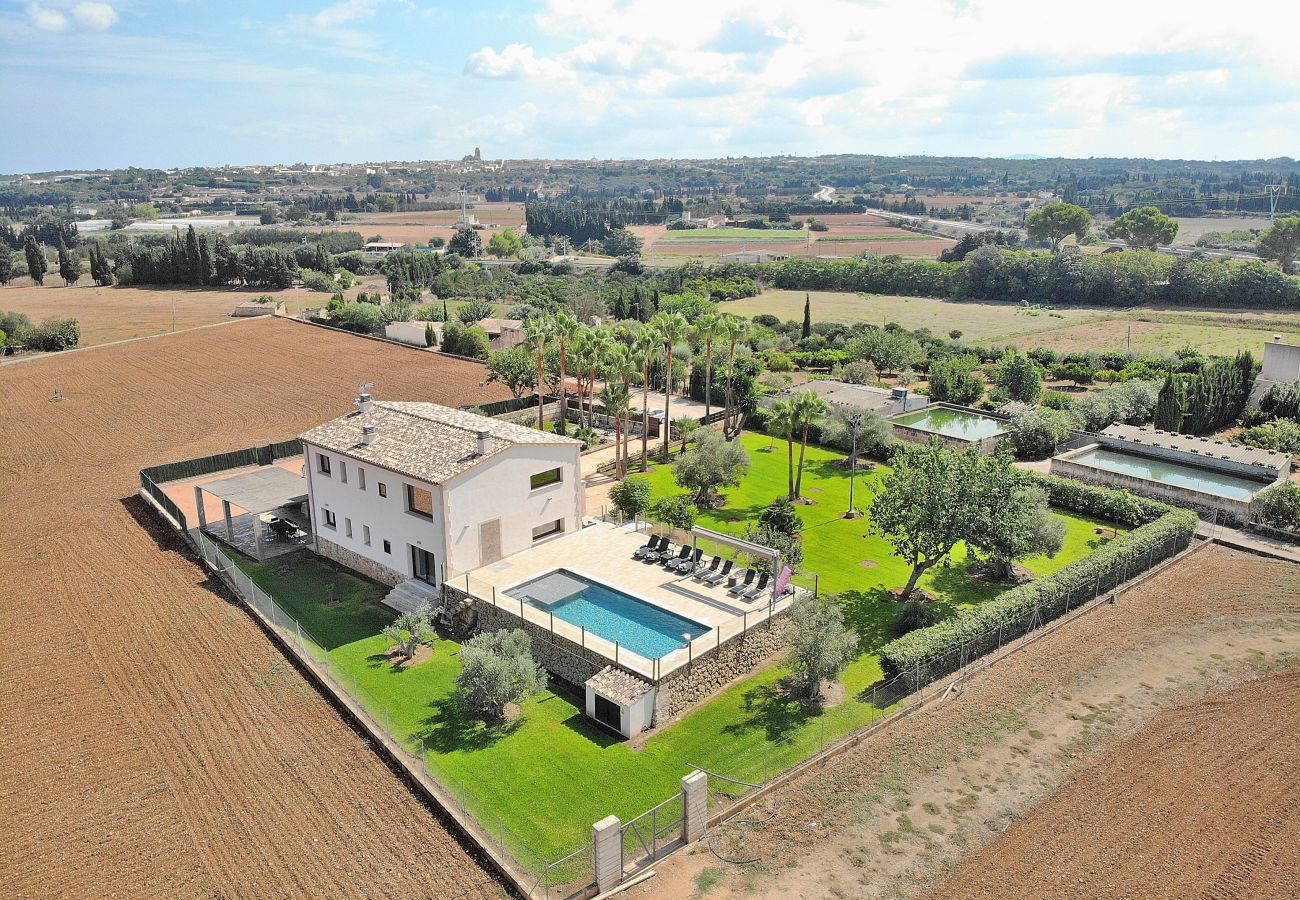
[
  {"x": 1274, "y": 191},
  {"x": 173, "y": 314}
]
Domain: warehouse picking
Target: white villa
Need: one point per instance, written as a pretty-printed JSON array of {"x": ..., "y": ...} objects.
[{"x": 417, "y": 493}]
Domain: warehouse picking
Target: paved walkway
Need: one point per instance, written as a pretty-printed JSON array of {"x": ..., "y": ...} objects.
[{"x": 1250, "y": 541}]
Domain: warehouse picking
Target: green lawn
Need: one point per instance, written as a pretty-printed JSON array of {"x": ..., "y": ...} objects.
[{"x": 552, "y": 773}]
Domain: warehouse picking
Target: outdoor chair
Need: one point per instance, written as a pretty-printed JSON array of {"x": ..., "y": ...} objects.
[
  {"x": 646, "y": 547},
  {"x": 688, "y": 565},
  {"x": 651, "y": 546},
  {"x": 719, "y": 576},
  {"x": 701, "y": 574},
  {"x": 285, "y": 528},
  {"x": 672, "y": 562},
  {"x": 744, "y": 585},
  {"x": 757, "y": 591},
  {"x": 660, "y": 553}
]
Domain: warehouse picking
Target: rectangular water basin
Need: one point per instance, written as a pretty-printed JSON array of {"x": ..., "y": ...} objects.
[
  {"x": 1168, "y": 472},
  {"x": 645, "y": 629},
  {"x": 954, "y": 423}
]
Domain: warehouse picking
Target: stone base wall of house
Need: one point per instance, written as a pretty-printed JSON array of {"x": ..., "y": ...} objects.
[
  {"x": 558, "y": 655},
  {"x": 358, "y": 563},
  {"x": 710, "y": 672}
]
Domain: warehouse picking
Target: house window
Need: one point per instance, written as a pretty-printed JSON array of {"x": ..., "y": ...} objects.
[
  {"x": 388, "y": 548},
  {"x": 343, "y": 471},
  {"x": 361, "y": 478},
  {"x": 347, "y": 527},
  {"x": 419, "y": 501},
  {"x": 548, "y": 529},
  {"x": 383, "y": 489},
  {"x": 542, "y": 479},
  {"x": 365, "y": 535},
  {"x": 322, "y": 463},
  {"x": 330, "y": 520}
]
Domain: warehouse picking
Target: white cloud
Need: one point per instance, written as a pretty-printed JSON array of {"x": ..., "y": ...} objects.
[
  {"x": 46, "y": 19},
  {"x": 514, "y": 61},
  {"x": 344, "y": 12},
  {"x": 95, "y": 16}
]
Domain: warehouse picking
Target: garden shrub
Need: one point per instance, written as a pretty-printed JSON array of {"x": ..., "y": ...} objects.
[
  {"x": 932, "y": 652},
  {"x": 54, "y": 335},
  {"x": 1280, "y": 507},
  {"x": 1100, "y": 502}
]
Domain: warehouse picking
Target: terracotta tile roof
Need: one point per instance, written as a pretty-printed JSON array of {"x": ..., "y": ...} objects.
[
  {"x": 424, "y": 440},
  {"x": 622, "y": 687}
]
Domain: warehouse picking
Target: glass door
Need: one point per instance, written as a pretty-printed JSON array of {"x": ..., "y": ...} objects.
[{"x": 422, "y": 565}]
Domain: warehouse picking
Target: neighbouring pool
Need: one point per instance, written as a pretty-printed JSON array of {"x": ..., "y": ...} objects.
[
  {"x": 641, "y": 627},
  {"x": 1169, "y": 472},
  {"x": 954, "y": 423}
]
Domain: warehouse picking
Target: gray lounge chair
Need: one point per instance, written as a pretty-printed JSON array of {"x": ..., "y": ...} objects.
[
  {"x": 672, "y": 562},
  {"x": 651, "y": 553},
  {"x": 664, "y": 552},
  {"x": 757, "y": 590},
  {"x": 703, "y": 573},
  {"x": 719, "y": 576},
  {"x": 688, "y": 565},
  {"x": 744, "y": 585},
  {"x": 646, "y": 547}
]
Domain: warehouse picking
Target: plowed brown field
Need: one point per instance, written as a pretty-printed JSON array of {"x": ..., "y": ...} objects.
[{"x": 154, "y": 743}]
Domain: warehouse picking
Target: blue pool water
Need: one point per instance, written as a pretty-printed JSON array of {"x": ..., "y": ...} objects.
[{"x": 638, "y": 626}]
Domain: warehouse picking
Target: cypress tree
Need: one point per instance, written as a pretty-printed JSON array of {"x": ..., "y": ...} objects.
[
  {"x": 645, "y": 308},
  {"x": 36, "y": 264},
  {"x": 1169, "y": 405},
  {"x": 6, "y": 263},
  {"x": 69, "y": 268},
  {"x": 807, "y": 317},
  {"x": 193, "y": 258},
  {"x": 205, "y": 262}
]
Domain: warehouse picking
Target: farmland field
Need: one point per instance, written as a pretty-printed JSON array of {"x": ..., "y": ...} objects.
[
  {"x": 1065, "y": 329},
  {"x": 116, "y": 313},
  {"x": 161, "y": 745},
  {"x": 1191, "y": 228},
  {"x": 419, "y": 227}
]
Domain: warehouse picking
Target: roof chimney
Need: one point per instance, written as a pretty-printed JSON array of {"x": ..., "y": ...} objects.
[
  {"x": 1277, "y": 338},
  {"x": 365, "y": 402},
  {"x": 483, "y": 437},
  {"x": 368, "y": 434}
]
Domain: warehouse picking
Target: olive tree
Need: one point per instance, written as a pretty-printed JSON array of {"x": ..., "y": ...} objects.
[
  {"x": 497, "y": 669},
  {"x": 713, "y": 463},
  {"x": 821, "y": 646}
]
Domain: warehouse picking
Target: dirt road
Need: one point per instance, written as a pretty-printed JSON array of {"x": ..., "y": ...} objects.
[{"x": 154, "y": 743}]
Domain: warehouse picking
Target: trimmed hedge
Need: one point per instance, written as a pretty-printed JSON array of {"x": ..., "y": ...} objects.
[{"x": 1161, "y": 531}]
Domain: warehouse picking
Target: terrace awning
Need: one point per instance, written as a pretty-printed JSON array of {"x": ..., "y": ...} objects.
[
  {"x": 268, "y": 488},
  {"x": 740, "y": 544}
]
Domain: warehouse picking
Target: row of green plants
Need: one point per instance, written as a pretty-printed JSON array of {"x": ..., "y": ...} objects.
[{"x": 934, "y": 651}]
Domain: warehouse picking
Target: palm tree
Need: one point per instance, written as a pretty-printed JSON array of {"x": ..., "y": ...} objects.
[
  {"x": 620, "y": 365},
  {"x": 585, "y": 353},
  {"x": 731, "y": 330},
  {"x": 808, "y": 407},
  {"x": 781, "y": 422},
  {"x": 672, "y": 329},
  {"x": 706, "y": 330},
  {"x": 564, "y": 329},
  {"x": 614, "y": 396},
  {"x": 602, "y": 341},
  {"x": 644, "y": 345},
  {"x": 540, "y": 329},
  {"x": 685, "y": 426}
]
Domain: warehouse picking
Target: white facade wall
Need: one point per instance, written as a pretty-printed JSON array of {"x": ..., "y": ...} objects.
[
  {"x": 500, "y": 489},
  {"x": 497, "y": 489},
  {"x": 386, "y": 517}
]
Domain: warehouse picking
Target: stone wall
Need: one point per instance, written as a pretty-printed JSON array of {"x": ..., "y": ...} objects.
[
  {"x": 709, "y": 672},
  {"x": 558, "y": 655},
  {"x": 358, "y": 563},
  {"x": 1203, "y": 503}
]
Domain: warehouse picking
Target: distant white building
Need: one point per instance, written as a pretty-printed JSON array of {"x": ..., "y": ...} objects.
[
  {"x": 1281, "y": 366},
  {"x": 417, "y": 491}
]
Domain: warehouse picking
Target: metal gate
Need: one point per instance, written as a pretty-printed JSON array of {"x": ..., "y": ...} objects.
[{"x": 652, "y": 834}]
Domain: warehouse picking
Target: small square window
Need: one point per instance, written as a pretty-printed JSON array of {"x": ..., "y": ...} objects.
[
  {"x": 330, "y": 520},
  {"x": 322, "y": 463},
  {"x": 365, "y": 535},
  {"x": 383, "y": 489},
  {"x": 347, "y": 527},
  {"x": 388, "y": 548},
  {"x": 548, "y": 529},
  {"x": 361, "y": 478},
  {"x": 542, "y": 479}
]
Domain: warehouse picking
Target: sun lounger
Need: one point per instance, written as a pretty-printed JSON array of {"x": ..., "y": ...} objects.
[
  {"x": 719, "y": 576},
  {"x": 662, "y": 552},
  {"x": 744, "y": 585},
  {"x": 651, "y": 550},
  {"x": 646, "y": 547},
  {"x": 703, "y": 573},
  {"x": 688, "y": 565},
  {"x": 758, "y": 590},
  {"x": 672, "y": 562}
]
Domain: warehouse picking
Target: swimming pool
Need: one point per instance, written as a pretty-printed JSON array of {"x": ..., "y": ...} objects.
[
  {"x": 1170, "y": 472},
  {"x": 641, "y": 627},
  {"x": 953, "y": 423}
]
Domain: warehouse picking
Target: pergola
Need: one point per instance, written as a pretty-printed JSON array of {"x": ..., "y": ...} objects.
[
  {"x": 265, "y": 490},
  {"x": 747, "y": 547}
]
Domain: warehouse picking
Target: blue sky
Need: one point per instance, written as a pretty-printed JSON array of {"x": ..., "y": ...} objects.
[{"x": 98, "y": 83}]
